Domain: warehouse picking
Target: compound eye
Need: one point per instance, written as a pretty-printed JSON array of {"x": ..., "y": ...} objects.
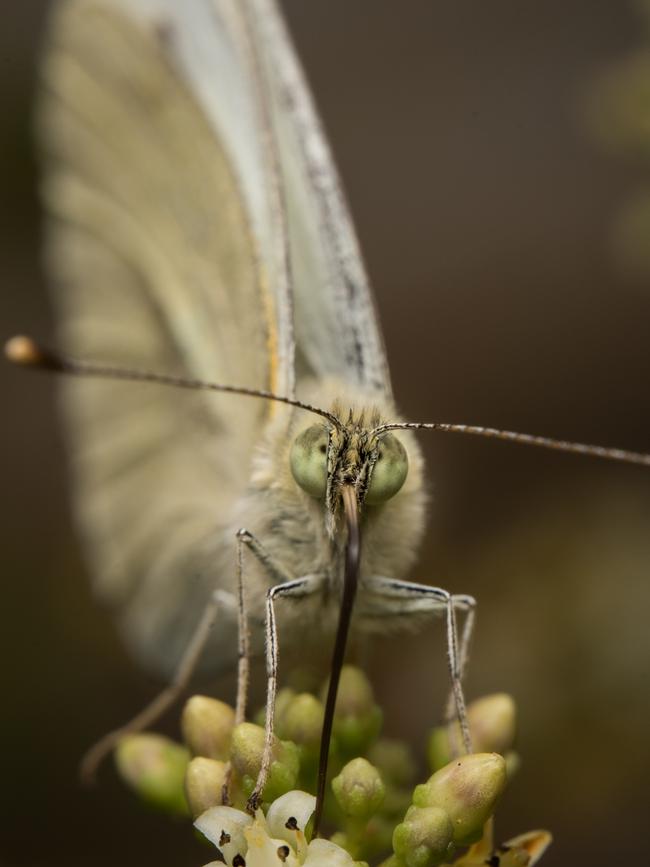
[
  {"x": 309, "y": 460},
  {"x": 389, "y": 472}
]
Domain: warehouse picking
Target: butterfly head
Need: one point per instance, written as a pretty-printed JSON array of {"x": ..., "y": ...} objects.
[{"x": 326, "y": 458}]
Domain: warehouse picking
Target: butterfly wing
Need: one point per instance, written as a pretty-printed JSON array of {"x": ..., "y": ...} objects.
[
  {"x": 190, "y": 225},
  {"x": 156, "y": 265},
  {"x": 336, "y": 326}
]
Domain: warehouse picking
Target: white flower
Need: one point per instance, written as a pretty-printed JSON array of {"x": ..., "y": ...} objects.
[{"x": 277, "y": 840}]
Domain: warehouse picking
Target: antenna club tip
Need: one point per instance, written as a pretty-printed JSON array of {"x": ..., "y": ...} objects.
[{"x": 22, "y": 350}]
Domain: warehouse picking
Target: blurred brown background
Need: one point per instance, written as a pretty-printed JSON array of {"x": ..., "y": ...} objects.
[{"x": 485, "y": 211}]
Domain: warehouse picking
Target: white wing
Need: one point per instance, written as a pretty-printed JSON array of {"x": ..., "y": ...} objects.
[
  {"x": 189, "y": 189},
  {"x": 336, "y": 327},
  {"x": 245, "y": 45}
]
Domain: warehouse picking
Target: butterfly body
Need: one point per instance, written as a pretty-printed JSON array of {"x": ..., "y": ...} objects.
[
  {"x": 302, "y": 537},
  {"x": 197, "y": 228}
]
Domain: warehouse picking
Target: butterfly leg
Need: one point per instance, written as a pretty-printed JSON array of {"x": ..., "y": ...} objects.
[
  {"x": 415, "y": 598},
  {"x": 468, "y": 604},
  {"x": 292, "y": 589},
  {"x": 297, "y": 589},
  {"x": 277, "y": 573},
  {"x": 243, "y": 651}
]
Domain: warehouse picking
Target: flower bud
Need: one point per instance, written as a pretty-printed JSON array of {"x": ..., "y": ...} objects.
[
  {"x": 246, "y": 755},
  {"x": 207, "y": 726},
  {"x": 467, "y": 789},
  {"x": 283, "y": 699},
  {"x": 303, "y": 720},
  {"x": 394, "y": 760},
  {"x": 424, "y": 838},
  {"x": 154, "y": 767},
  {"x": 204, "y": 781},
  {"x": 355, "y": 696},
  {"x": 492, "y": 725},
  {"x": 359, "y": 789},
  {"x": 357, "y": 719}
]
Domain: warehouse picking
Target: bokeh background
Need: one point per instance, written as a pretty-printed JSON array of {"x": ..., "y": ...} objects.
[{"x": 487, "y": 211}]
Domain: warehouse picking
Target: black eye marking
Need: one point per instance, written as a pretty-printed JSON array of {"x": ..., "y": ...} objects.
[
  {"x": 238, "y": 861},
  {"x": 322, "y": 449},
  {"x": 283, "y": 853},
  {"x": 291, "y": 823},
  {"x": 225, "y": 838}
]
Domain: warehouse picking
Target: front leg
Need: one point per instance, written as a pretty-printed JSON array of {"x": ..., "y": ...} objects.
[
  {"x": 297, "y": 588},
  {"x": 389, "y": 596}
]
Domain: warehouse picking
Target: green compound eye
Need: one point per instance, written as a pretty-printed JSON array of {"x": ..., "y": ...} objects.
[
  {"x": 389, "y": 472},
  {"x": 309, "y": 460}
]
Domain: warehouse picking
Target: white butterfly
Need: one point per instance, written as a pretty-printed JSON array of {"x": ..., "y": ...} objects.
[{"x": 199, "y": 234}]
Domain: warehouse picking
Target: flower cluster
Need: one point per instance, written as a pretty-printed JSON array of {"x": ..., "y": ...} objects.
[{"x": 374, "y": 807}]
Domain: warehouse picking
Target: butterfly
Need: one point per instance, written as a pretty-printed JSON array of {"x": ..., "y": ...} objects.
[{"x": 233, "y": 432}]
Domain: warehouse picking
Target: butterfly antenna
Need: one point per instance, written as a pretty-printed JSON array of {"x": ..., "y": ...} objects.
[
  {"x": 611, "y": 454},
  {"x": 26, "y": 352}
]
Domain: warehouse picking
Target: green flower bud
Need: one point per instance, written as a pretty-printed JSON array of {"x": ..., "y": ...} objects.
[
  {"x": 492, "y": 725},
  {"x": 248, "y": 747},
  {"x": 204, "y": 780},
  {"x": 355, "y": 696},
  {"x": 355, "y": 734},
  {"x": 394, "y": 760},
  {"x": 207, "y": 726},
  {"x": 424, "y": 838},
  {"x": 357, "y": 719},
  {"x": 359, "y": 789},
  {"x": 302, "y": 720},
  {"x": 467, "y": 789},
  {"x": 246, "y": 756},
  {"x": 154, "y": 767}
]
